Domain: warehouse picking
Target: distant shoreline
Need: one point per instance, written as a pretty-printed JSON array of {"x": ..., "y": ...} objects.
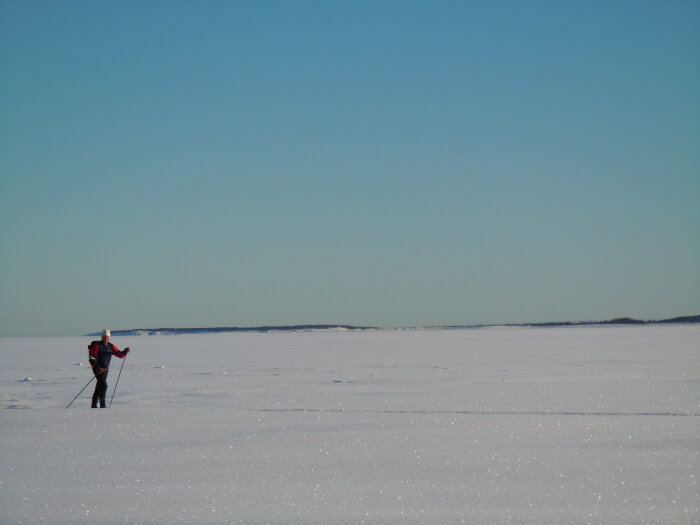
[{"x": 621, "y": 321}]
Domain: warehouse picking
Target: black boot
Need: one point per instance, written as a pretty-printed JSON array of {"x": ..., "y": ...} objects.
[{"x": 94, "y": 401}]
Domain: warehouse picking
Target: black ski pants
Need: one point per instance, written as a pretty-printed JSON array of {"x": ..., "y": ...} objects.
[{"x": 100, "y": 389}]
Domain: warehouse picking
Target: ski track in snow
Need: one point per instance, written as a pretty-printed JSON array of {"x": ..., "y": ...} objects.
[{"x": 579, "y": 425}]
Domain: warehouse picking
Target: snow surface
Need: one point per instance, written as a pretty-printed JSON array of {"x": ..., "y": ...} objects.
[{"x": 586, "y": 425}]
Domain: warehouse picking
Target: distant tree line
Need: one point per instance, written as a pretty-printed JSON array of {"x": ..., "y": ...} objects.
[{"x": 688, "y": 319}]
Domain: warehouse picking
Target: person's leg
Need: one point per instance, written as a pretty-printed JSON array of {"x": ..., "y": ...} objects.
[
  {"x": 96, "y": 392},
  {"x": 103, "y": 391},
  {"x": 100, "y": 390}
]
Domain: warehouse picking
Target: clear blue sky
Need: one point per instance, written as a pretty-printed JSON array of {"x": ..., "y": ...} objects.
[{"x": 387, "y": 163}]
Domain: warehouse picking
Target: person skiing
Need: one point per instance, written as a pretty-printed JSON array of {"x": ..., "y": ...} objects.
[{"x": 100, "y": 354}]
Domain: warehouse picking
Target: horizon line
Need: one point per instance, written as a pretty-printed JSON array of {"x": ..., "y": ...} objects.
[{"x": 688, "y": 319}]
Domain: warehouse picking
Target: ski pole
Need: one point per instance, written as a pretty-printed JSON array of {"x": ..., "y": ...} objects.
[
  {"x": 117, "y": 383},
  {"x": 76, "y": 397}
]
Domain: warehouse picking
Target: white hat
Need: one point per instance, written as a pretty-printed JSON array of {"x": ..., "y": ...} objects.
[{"x": 106, "y": 332}]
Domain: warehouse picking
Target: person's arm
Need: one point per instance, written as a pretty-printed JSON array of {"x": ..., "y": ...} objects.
[
  {"x": 93, "y": 350},
  {"x": 121, "y": 354},
  {"x": 92, "y": 354}
]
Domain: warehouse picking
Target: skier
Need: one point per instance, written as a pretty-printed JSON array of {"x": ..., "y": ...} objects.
[{"x": 101, "y": 353}]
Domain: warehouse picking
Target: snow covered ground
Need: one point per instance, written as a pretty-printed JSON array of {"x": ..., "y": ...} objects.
[{"x": 588, "y": 425}]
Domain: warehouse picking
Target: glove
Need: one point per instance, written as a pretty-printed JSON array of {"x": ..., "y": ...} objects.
[{"x": 126, "y": 351}]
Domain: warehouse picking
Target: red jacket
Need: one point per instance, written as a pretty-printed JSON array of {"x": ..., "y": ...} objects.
[{"x": 100, "y": 354}]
